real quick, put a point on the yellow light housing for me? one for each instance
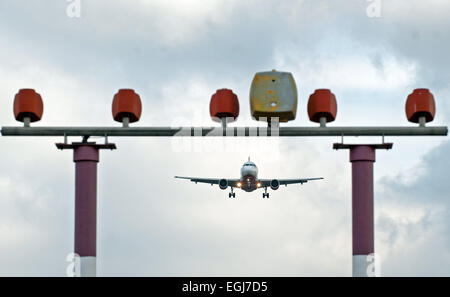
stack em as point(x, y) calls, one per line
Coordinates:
point(238, 185)
point(259, 185)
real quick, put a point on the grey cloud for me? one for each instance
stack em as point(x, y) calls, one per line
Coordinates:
point(431, 186)
point(423, 205)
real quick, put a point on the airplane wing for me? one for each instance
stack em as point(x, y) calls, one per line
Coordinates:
point(211, 181)
point(266, 182)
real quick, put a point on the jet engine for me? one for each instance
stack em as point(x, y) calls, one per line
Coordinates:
point(223, 184)
point(274, 184)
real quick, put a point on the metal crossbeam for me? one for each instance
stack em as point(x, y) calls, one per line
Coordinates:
point(229, 131)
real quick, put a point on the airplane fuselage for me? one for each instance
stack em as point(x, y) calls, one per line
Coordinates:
point(249, 177)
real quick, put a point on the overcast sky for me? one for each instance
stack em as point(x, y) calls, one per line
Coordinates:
point(175, 54)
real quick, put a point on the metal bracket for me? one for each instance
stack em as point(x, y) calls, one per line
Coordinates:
point(340, 146)
point(65, 146)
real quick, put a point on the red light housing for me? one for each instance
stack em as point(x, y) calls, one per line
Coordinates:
point(126, 103)
point(224, 104)
point(322, 103)
point(28, 104)
point(420, 103)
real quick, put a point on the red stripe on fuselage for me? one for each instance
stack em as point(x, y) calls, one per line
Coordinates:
point(248, 183)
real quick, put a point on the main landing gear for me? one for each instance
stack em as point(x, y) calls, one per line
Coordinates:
point(232, 194)
point(265, 194)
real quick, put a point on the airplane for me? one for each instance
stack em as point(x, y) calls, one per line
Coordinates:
point(249, 181)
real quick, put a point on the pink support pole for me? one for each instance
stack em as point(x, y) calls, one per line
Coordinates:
point(86, 158)
point(362, 158)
